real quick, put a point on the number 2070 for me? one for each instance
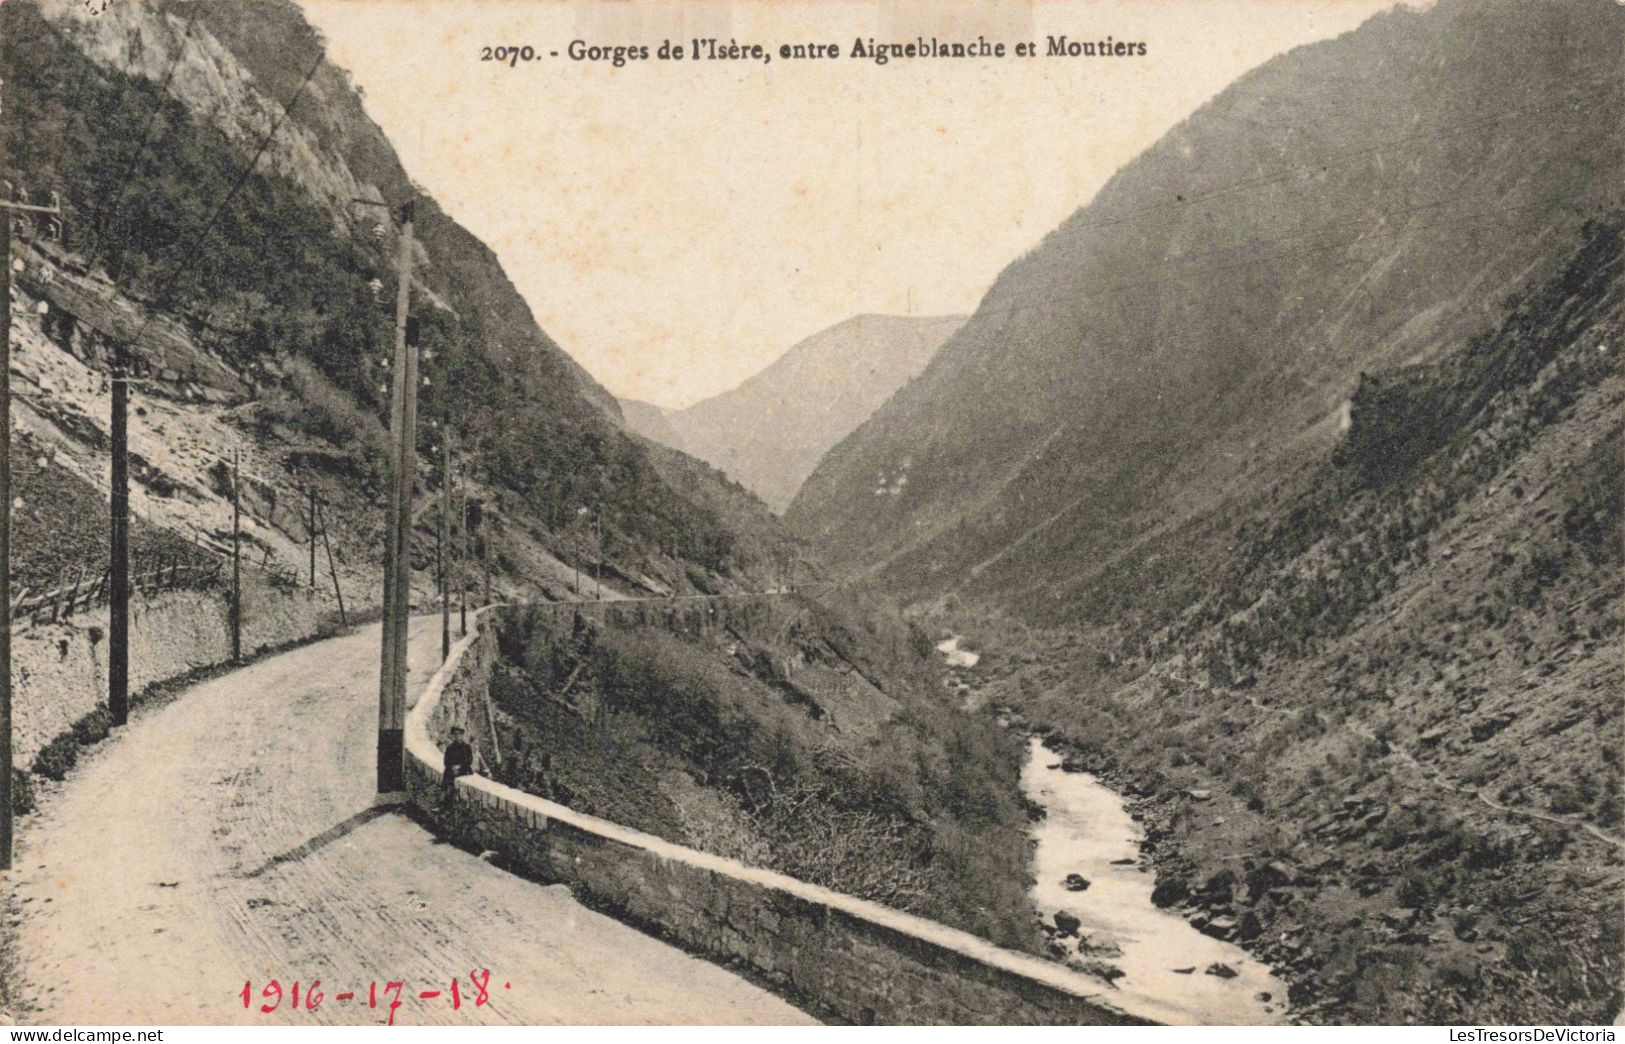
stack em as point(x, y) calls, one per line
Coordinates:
point(512, 55)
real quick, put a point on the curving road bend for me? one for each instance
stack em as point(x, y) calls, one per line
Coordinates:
point(230, 837)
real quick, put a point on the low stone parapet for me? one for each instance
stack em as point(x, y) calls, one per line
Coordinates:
point(841, 957)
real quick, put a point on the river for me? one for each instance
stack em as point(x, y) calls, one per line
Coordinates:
point(1088, 832)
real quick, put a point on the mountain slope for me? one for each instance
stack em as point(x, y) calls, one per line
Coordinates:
point(208, 158)
point(650, 421)
point(1399, 696)
point(769, 432)
point(1194, 332)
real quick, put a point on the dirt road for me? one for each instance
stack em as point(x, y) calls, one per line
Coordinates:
point(230, 838)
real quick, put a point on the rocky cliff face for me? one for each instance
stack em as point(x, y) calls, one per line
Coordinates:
point(241, 69)
point(208, 157)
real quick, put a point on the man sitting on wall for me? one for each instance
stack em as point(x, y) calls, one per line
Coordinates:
point(459, 762)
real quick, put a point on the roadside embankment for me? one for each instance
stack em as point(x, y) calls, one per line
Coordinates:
point(845, 958)
point(60, 670)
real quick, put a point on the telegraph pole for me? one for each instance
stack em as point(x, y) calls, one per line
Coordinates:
point(332, 568)
point(403, 558)
point(474, 524)
point(5, 540)
point(236, 557)
point(462, 563)
point(460, 555)
point(118, 578)
point(313, 536)
point(397, 546)
point(444, 542)
point(481, 535)
point(52, 217)
point(578, 555)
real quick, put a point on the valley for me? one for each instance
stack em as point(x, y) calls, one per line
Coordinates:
point(770, 432)
point(1219, 624)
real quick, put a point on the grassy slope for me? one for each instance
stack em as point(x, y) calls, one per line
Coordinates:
point(822, 746)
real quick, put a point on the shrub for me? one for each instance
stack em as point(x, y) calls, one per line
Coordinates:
point(57, 758)
point(93, 727)
point(1413, 891)
point(22, 793)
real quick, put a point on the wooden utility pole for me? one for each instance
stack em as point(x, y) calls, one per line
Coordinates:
point(118, 575)
point(236, 557)
point(480, 533)
point(53, 229)
point(5, 540)
point(397, 539)
point(332, 569)
point(578, 554)
point(440, 574)
point(443, 544)
point(313, 536)
point(462, 560)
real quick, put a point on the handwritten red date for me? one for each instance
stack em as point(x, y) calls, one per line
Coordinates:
point(387, 995)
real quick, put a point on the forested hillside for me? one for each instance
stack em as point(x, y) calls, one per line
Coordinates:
point(208, 165)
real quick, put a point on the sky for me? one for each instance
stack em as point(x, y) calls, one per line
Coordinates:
point(676, 226)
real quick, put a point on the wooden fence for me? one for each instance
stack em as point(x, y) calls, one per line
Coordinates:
point(87, 592)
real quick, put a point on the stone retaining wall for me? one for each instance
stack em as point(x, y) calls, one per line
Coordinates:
point(842, 957)
point(59, 671)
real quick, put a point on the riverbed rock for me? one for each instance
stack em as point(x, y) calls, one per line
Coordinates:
point(1185, 971)
point(1222, 971)
point(1170, 891)
point(1100, 970)
point(1220, 885)
point(1090, 946)
point(1066, 924)
point(1075, 883)
point(1200, 795)
point(1277, 872)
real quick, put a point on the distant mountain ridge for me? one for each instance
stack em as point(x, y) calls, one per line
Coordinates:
point(650, 421)
point(1348, 205)
point(770, 432)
